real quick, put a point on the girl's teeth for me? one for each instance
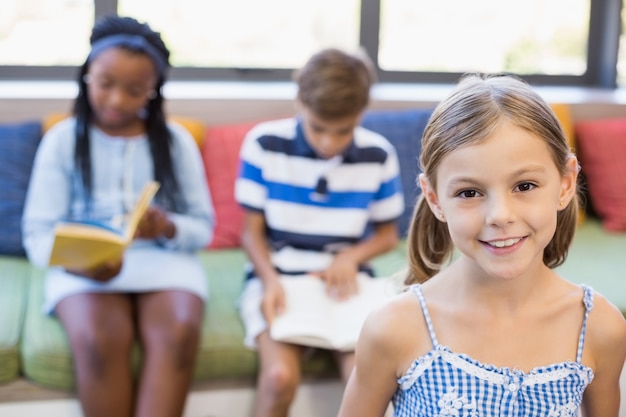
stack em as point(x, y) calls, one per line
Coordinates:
point(504, 243)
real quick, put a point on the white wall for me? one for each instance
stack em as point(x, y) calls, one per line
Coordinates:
point(220, 102)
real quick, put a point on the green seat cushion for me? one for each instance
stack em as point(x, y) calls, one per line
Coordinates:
point(393, 263)
point(45, 350)
point(222, 352)
point(13, 288)
point(597, 258)
point(47, 358)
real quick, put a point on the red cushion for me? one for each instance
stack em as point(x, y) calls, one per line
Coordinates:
point(602, 152)
point(220, 154)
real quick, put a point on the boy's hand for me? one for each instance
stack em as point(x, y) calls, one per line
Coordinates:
point(273, 302)
point(103, 273)
point(154, 224)
point(340, 277)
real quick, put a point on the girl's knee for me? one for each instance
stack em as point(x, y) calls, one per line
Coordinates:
point(177, 341)
point(98, 349)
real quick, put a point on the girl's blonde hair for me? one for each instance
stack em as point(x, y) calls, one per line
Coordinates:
point(469, 115)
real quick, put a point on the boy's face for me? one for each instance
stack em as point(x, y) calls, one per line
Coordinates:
point(328, 138)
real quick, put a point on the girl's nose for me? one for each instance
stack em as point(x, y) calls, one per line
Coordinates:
point(500, 211)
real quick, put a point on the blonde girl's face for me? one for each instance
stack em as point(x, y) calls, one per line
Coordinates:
point(500, 199)
point(119, 86)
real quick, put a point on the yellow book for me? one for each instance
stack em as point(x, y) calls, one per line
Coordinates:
point(312, 318)
point(85, 245)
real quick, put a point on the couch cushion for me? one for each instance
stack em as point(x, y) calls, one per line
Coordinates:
point(596, 258)
point(193, 126)
point(13, 289)
point(563, 112)
point(47, 358)
point(602, 151)
point(18, 145)
point(220, 154)
point(404, 129)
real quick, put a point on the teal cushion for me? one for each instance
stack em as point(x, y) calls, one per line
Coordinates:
point(13, 288)
point(18, 145)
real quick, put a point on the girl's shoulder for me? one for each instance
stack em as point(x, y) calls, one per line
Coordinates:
point(60, 137)
point(63, 128)
point(607, 325)
point(179, 132)
point(398, 326)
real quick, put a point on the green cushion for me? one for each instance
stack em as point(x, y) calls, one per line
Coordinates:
point(596, 258)
point(13, 288)
point(45, 350)
point(392, 263)
point(222, 355)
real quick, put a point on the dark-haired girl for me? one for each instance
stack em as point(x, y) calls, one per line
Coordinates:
point(92, 166)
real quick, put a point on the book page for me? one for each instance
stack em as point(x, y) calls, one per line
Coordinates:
point(313, 318)
point(142, 204)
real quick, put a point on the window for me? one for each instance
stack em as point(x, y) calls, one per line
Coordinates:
point(520, 36)
point(45, 32)
point(558, 42)
point(249, 33)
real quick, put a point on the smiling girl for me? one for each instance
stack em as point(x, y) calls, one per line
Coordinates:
point(486, 326)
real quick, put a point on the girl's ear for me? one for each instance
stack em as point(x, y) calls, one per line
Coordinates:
point(569, 182)
point(431, 197)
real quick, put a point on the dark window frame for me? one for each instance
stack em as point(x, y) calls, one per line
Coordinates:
point(602, 56)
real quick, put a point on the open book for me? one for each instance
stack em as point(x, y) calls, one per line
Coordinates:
point(84, 245)
point(312, 318)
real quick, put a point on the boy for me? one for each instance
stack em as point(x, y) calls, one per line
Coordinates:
point(310, 186)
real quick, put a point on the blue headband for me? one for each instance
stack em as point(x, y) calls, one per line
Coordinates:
point(134, 42)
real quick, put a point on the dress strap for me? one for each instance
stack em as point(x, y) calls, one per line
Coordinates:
point(417, 289)
point(588, 301)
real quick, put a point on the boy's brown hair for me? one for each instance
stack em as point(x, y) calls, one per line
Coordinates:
point(334, 84)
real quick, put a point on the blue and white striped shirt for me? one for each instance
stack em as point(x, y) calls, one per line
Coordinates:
point(445, 384)
point(313, 207)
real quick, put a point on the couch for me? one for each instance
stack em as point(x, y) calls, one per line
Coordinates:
point(34, 348)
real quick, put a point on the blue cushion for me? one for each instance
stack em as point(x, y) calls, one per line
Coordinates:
point(404, 129)
point(18, 144)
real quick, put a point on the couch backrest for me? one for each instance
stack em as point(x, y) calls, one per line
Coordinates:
point(404, 129)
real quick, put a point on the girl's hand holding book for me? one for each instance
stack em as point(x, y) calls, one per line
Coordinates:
point(103, 272)
point(155, 224)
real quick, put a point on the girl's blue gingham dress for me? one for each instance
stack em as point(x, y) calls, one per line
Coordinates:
point(447, 384)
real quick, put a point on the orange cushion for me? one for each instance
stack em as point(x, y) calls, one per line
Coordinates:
point(195, 127)
point(52, 119)
point(563, 113)
point(602, 150)
point(220, 153)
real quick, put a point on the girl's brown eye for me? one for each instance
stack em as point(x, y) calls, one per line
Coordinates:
point(468, 193)
point(526, 186)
